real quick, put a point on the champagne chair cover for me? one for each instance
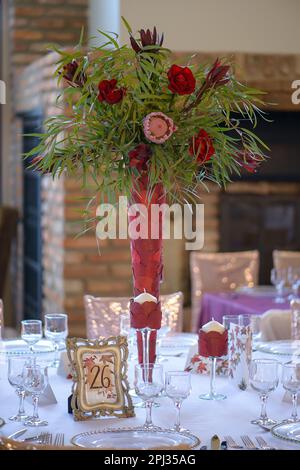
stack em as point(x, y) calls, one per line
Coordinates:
point(220, 272)
point(102, 313)
point(285, 259)
point(275, 325)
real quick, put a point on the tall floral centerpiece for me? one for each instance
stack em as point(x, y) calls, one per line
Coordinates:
point(154, 130)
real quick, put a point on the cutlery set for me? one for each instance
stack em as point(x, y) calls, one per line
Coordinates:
point(45, 438)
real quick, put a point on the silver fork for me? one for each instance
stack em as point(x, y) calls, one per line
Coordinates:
point(59, 440)
point(249, 443)
point(263, 444)
point(231, 443)
point(47, 439)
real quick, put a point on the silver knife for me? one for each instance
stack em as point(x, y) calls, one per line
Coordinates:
point(17, 433)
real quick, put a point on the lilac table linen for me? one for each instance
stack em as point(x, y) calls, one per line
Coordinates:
point(216, 305)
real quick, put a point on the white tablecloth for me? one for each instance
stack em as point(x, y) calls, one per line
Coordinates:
point(203, 418)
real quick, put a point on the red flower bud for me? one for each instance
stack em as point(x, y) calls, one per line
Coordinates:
point(71, 76)
point(139, 157)
point(249, 161)
point(218, 75)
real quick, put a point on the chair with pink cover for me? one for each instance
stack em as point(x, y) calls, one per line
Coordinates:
point(103, 313)
point(283, 259)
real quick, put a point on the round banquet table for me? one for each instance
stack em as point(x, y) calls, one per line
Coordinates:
point(203, 418)
point(217, 304)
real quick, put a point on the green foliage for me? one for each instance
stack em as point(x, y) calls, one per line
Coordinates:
point(95, 137)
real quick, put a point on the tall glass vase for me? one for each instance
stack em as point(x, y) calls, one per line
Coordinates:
point(147, 266)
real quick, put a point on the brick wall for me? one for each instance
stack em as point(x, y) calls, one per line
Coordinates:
point(37, 23)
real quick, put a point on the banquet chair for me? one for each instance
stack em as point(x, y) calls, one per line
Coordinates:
point(283, 259)
point(276, 325)
point(102, 313)
point(220, 272)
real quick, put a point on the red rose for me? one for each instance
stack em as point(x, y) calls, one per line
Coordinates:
point(181, 80)
point(201, 146)
point(109, 92)
point(139, 157)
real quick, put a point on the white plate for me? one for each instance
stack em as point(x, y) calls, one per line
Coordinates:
point(18, 347)
point(179, 340)
point(134, 438)
point(281, 347)
point(287, 431)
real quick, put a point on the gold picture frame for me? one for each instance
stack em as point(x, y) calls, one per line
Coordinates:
point(99, 371)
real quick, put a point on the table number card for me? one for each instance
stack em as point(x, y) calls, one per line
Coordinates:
point(99, 371)
point(239, 354)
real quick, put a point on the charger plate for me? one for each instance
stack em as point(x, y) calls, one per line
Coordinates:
point(18, 347)
point(135, 438)
point(284, 347)
point(287, 431)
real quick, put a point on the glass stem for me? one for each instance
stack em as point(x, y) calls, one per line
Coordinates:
point(56, 353)
point(148, 422)
point(294, 412)
point(178, 408)
point(21, 394)
point(213, 375)
point(263, 413)
point(35, 399)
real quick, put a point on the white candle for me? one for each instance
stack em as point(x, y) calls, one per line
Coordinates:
point(145, 297)
point(213, 325)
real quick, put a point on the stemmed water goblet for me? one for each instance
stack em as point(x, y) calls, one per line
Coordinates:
point(178, 388)
point(56, 330)
point(294, 281)
point(291, 383)
point(264, 379)
point(278, 279)
point(31, 332)
point(15, 378)
point(149, 383)
point(35, 381)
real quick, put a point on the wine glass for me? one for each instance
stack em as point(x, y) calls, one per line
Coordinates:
point(31, 332)
point(264, 379)
point(291, 382)
point(148, 382)
point(255, 325)
point(15, 378)
point(294, 281)
point(212, 394)
point(56, 330)
point(278, 279)
point(228, 319)
point(178, 388)
point(35, 380)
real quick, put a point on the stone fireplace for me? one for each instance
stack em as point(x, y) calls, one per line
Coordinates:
point(73, 266)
